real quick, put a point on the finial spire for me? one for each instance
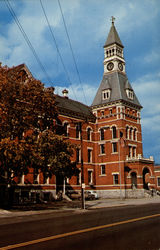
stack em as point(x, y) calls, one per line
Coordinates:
point(113, 19)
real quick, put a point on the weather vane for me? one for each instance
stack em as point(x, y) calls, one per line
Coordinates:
point(112, 19)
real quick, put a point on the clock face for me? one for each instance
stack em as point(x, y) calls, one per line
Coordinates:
point(120, 66)
point(110, 66)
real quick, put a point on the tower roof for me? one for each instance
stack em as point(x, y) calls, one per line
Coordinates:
point(118, 83)
point(113, 36)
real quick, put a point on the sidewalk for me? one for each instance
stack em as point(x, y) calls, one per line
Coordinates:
point(89, 205)
point(104, 203)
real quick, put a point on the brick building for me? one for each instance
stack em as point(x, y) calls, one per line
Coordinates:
point(110, 152)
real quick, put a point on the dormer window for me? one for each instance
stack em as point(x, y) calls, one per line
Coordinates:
point(130, 94)
point(106, 94)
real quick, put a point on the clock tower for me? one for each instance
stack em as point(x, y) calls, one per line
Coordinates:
point(113, 52)
point(118, 129)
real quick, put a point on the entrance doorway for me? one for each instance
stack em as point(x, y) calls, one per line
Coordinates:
point(134, 180)
point(145, 179)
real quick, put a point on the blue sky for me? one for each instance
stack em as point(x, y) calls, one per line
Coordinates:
point(88, 23)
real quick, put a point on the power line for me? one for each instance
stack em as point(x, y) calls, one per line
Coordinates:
point(52, 34)
point(69, 40)
point(26, 38)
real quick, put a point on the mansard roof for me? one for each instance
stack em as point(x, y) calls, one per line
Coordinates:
point(118, 83)
point(74, 109)
point(113, 37)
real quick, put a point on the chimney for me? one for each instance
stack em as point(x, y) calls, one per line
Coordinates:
point(65, 93)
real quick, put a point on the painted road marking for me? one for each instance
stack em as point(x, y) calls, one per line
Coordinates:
point(54, 237)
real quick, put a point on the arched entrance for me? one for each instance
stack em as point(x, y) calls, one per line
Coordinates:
point(134, 180)
point(145, 178)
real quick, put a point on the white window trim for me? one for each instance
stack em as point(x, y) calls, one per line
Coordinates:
point(114, 174)
point(90, 133)
point(91, 154)
point(130, 94)
point(114, 152)
point(68, 126)
point(90, 170)
point(101, 170)
point(106, 94)
point(101, 149)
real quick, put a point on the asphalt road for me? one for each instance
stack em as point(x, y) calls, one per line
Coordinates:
point(107, 228)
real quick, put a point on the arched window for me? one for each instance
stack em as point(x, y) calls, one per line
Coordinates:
point(101, 134)
point(131, 133)
point(89, 134)
point(135, 134)
point(65, 125)
point(114, 132)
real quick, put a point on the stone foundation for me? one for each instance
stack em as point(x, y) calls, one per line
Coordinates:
point(130, 193)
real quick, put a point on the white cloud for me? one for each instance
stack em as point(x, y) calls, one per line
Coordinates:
point(76, 92)
point(152, 57)
point(147, 89)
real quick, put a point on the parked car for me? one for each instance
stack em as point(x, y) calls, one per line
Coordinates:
point(93, 194)
point(88, 196)
point(74, 195)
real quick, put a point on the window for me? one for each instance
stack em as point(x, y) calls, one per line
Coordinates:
point(127, 132)
point(114, 147)
point(102, 113)
point(130, 94)
point(102, 149)
point(103, 169)
point(131, 133)
point(78, 155)
point(135, 134)
point(66, 128)
point(78, 132)
point(134, 151)
point(158, 181)
point(114, 132)
point(130, 151)
point(89, 155)
point(106, 94)
point(110, 111)
point(90, 176)
point(88, 134)
point(115, 179)
point(101, 134)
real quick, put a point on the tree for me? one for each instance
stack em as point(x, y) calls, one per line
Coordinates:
point(52, 155)
point(24, 104)
point(27, 115)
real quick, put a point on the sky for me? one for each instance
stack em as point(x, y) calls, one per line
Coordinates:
point(88, 23)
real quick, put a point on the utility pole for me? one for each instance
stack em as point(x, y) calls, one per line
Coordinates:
point(82, 169)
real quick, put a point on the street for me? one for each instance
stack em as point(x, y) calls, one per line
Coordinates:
point(127, 227)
